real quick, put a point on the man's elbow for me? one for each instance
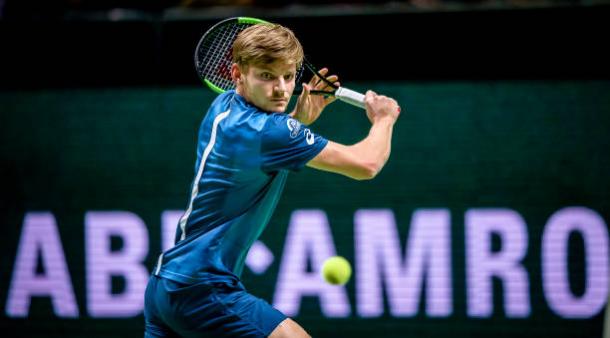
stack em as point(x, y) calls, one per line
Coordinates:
point(369, 171)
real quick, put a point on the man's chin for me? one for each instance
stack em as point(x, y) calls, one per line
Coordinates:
point(278, 107)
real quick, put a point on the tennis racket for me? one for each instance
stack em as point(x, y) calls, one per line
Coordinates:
point(213, 60)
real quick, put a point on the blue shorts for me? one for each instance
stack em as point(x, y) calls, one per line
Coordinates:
point(174, 309)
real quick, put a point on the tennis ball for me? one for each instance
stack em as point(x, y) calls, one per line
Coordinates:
point(336, 270)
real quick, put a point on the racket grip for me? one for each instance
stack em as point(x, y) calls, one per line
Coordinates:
point(350, 96)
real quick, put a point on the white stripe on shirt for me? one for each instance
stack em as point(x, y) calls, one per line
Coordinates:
point(204, 157)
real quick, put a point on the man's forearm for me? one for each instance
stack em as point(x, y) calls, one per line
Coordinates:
point(376, 147)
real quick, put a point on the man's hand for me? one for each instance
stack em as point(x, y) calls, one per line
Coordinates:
point(309, 107)
point(380, 107)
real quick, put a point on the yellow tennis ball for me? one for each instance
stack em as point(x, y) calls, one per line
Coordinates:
point(336, 270)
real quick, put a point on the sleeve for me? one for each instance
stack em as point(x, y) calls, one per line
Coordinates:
point(287, 144)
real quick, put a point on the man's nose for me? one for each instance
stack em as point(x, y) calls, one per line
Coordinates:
point(280, 85)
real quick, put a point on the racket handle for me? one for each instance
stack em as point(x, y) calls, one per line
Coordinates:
point(350, 96)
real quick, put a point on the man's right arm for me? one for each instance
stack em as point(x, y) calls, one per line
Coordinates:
point(365, 159)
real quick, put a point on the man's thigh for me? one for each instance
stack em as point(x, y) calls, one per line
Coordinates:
point(213, 310)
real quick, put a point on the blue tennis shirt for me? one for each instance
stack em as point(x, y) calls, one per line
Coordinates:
point(243, 158)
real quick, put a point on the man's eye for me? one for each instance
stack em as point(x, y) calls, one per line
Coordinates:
point(267, 76)
point(289, 77)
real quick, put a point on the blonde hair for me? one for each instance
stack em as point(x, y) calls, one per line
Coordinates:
point(262, 44)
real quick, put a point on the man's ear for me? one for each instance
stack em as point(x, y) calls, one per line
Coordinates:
point(236, 73)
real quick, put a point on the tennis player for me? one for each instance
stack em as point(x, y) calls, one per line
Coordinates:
point(247, 145)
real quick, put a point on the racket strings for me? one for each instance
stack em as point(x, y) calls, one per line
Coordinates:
point(216, 59)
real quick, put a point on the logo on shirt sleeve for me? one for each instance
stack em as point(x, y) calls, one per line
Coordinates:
point(308, 136)
point(294, 126)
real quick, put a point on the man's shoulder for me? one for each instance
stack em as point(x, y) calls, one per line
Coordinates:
point(280, 120)
point(282, 129)
point(222, 101)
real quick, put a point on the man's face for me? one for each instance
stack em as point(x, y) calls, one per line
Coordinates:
point(269, 87)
